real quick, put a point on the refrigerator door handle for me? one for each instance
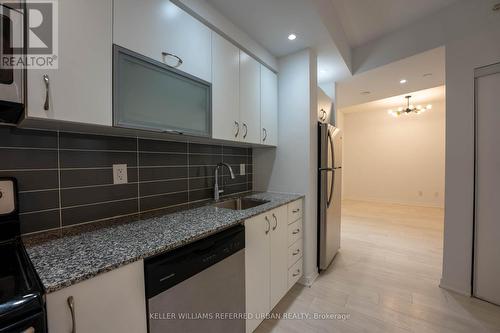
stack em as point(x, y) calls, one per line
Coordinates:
point(330, 197)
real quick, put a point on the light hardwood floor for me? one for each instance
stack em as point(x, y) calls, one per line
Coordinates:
point(386, 279)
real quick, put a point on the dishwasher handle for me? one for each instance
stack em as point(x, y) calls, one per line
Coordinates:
point(166, 270)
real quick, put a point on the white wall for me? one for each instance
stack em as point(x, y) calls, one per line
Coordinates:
point(396, 160)
point(479, 47)
point(325, 103)
point(292, 167)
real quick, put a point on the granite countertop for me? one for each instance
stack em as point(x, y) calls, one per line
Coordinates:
point(71, 258)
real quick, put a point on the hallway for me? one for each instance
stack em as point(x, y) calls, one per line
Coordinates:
point(385, 279)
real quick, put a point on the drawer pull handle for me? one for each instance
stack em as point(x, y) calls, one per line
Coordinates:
point(296, 210)
point(71, 305)
point(275, 222)
point(295, 231)
point(265, 134)
point(296, 273)
point(268, 225)
point(296, 252)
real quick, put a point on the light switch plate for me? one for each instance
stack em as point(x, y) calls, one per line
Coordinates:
point(242, 170)
point(120, 175)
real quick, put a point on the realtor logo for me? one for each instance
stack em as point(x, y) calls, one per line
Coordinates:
point(29, 32)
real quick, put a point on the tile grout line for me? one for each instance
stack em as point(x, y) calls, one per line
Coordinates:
point(59, 178)
point(138, 178)
point(188, 181)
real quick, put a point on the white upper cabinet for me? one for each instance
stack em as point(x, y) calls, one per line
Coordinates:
point(269, 107)
point(249, 99)
point(225, 89)
point(162, 31)
point(80, 89)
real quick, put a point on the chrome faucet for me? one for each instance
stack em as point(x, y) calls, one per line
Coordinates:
point(217, 192)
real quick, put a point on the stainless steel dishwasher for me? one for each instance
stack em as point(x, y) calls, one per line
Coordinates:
point(199, 287)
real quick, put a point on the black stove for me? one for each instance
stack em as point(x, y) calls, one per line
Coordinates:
point(22, 308)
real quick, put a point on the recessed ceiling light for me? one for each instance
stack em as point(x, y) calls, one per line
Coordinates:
point(292, 36)
point(365, 93)
point(403, 81)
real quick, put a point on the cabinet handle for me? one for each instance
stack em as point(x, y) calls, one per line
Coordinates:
point(237, 129)
point(296, 231)
point(47, 89)
point(246, 130)
point(268, 225)
point(166, 54)
point(296, 252)
point(71, 305)
point(296, 210)
point(265, 134)
point(275, 222)
point(296, 273)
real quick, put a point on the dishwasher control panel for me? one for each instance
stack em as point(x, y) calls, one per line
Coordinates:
point(164, 271)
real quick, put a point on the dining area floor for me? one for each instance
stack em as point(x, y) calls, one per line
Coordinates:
point(384, 279)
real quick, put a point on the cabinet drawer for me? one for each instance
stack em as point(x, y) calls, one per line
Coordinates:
point(294, 252)
point(294, 232)
point(294, 273)
point(295, 211)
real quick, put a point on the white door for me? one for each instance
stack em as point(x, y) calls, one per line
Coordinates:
point(257, 264)
point(279, 255)
point(225, 89)
point(80, 89)
point(112, 302)
point(249, 98)
point(487, 223)
point(162, 31)
point(269, 107)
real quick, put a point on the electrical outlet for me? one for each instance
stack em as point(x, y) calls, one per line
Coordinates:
point(120, 174)
point(242, 170)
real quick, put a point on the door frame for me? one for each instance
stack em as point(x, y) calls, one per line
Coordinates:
point(478, 73)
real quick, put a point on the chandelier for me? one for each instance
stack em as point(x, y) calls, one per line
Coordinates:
point(409, 109)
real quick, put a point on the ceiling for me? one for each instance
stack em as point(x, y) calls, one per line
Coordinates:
point(384, 81)
point(366, 20)
point(269, 22)
point(423, 97)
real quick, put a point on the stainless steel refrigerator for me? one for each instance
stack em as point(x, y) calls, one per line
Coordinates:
point(330, 192)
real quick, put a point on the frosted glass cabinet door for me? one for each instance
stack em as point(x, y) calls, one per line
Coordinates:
point(149, 95)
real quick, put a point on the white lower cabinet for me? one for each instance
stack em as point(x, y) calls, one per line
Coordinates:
point(267, 269)
point(112, 302)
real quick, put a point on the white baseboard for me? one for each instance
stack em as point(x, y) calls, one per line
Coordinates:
point(444, 285)
point(309, 279)
point(394, 202)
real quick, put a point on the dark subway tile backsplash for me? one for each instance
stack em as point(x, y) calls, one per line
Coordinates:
point(67, 179)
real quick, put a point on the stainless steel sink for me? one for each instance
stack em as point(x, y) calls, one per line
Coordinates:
point(240, 203)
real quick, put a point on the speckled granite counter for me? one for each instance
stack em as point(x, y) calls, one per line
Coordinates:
point(71, 258)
